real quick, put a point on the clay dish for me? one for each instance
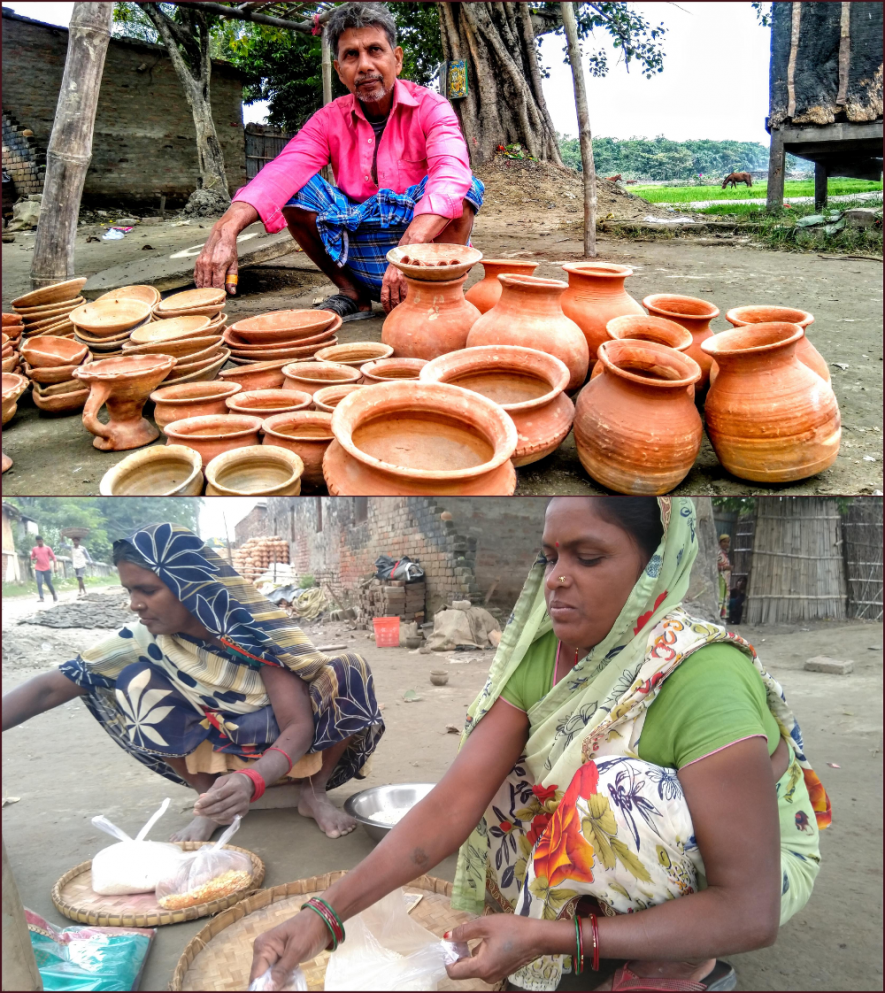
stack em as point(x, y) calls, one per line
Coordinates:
point(386, 370)
point(308, 433)
point(206, 296)
point(162, 470)
point(114, 340)
point(175, 403)
point(185, 366)
point(13, 385)
point(257, 470)
point(51, 294)
point(110, 317)
point(204, 354)
point(144, 294)
point(320, 340)
point(179, 348)
point(34, 314)
point(355, 353)
point(328, 398)
point(9, 364)
point(257, 375)
point(266, 403)
point(213, 434)
point(55, 374)
point(68, 386)
point(283, 325)
point(58, 329)
point(292, 353)
point(170, 329)
point(308, 377)
point(48, 352)
point(63, 403)
point(203, 374)
point(47, 322)
point(430, 255)
point(11, 320)
point(211, 312)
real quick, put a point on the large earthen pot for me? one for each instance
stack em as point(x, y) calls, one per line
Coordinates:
point(487, 292)
point(162, 470)
point(308, 433)
point(414, 439)
point(527, 383)
point(595, 296)
point(805, 351)
point(392, 369)
point(645, 328)
point(432, 320)
point(693, 314)
point(255, 471)
point(769, 417)
point(124, 385)
point(175, 403)
point(529, 314)
point(637, 430)
point(309, 377)
point(214, 433)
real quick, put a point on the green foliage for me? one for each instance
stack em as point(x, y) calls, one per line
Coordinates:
point(792, 188)
point(307, 582)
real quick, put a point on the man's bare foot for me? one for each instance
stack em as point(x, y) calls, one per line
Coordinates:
point(199, 829)
point(332, 821)
point(691, 971)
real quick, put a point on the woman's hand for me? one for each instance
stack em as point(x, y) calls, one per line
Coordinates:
point(287, 945)
point(508, 943)
point(229, 796)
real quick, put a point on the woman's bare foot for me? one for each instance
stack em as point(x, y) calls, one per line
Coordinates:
point(199, 829)
point(332, 821)
point(693, 971)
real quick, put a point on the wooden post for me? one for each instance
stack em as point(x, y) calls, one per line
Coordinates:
point(70, 144)
point(820, 185)
point(19, 965)
point(574, 54)
point(776, 163)
point(328, 175)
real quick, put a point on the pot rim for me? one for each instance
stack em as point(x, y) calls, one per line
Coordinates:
point(221, 395)
point(367, 370)
point(536, 284)
point(153, 363)
point(718, 345)
point(19, 387)
point(353, 344)
point(599, 270)
point(519, 262)
point(732, 315)
point(683, 332)
point(186, 454)
point(650, 303)
point(319, 417)
point(231, 375)
point(240, 424)
point(556, 370)
point(291, 401)
point(352, 375)
point(608, 354)
point(292, 461)
point(446, 397)
point(348, 389)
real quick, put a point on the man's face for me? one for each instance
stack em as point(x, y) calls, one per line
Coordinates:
point(76, 542)
point(39, 542)
point(367, 65)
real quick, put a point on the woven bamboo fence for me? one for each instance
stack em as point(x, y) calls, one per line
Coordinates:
point(741, 551)
point(862, 530)
point(797, 568)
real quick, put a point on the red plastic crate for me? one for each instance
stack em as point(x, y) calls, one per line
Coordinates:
point(386, 632)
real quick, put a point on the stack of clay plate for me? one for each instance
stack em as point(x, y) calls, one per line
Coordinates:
point(12, 340)
point(199, 353)
point(204, 302)
point(104, 325)
point(141, 292)
point(282, 334)
point(45, 311)
point(49, 363)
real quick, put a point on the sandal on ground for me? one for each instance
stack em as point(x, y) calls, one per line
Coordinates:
point(345, 307)
point(722, 977)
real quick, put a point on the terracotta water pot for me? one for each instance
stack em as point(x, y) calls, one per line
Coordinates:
point(432, 320)
point(637, 430)
point(266, 403)
point(255, 471)
point(260, 376)
point(487, 292)
point(420, 438)
point(213, 434)
point(387, 370)
point(641, 327)
point(328, 398)
point(174, 403)
point(308, 433)
point(805, 351)
point(529, 314)
point(123, 384)
point(162, 470)
point(693, 314)
point(527, 383)
point(308, 377)
point(595, 296)
point(355, 353)
point(769, 417)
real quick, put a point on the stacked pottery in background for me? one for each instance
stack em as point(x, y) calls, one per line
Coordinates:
point(256, 555)
point(49, 363)
point(104, 326)
point(282, 335)
point(13, 387)
point(12, 341)
point(198, 352)
point(46, 311)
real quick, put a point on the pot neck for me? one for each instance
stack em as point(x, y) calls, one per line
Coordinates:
point(535, 298)
point(778, 353)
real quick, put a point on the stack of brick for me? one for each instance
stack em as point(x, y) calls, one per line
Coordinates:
point(392, 598)
point(22, 160)
point(257, 555)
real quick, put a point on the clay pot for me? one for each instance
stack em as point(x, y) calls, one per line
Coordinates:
point(636, 428)
point(529, 314)
point(693, 314)
point(433, 319)
point(805, 351)
point(355, 353)
point(255, 471)
point(266, 403)
point(49, 352)
point(769, 417)
point(527, 383)
point(163, 470)
point(328, 398)
point(487, 292)
point(67, 402)
point(387, 370)
point(123, 384)
point(213, 434)
point(13, 387)
point(175, 403)
point(258, 376)
point(420, 438)
point(308, 433)
point(439, 677)
point(645, 328)
point(308, 377)
point(283, 326)
point(595, 296)
point(434, 261)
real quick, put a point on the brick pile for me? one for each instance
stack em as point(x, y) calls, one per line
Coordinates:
point(393, 598)
point(22, 159)
point(258, 554)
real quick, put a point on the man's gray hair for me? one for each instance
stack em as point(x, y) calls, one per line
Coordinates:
point(359, 15)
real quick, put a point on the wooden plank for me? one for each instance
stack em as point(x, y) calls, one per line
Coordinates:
point(842, 131)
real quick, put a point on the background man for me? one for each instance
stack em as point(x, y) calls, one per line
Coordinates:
point(79, 558)
point(45, 562)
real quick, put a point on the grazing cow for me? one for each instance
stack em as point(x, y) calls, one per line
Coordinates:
point(630, 182)
point(737, 177)
point(613, 179)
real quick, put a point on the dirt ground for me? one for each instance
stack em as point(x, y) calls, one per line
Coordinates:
point(834, 944)
point(527, 215)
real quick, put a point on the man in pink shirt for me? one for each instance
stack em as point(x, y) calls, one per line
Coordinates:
point(400, 161)
point(44, 561)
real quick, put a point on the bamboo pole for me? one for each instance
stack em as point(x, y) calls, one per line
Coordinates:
point(570, 26)
point(70, 144)
point(327, 91)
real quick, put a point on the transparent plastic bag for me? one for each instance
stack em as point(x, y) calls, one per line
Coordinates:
point(296, 982)
point(386, 950)
point(133, 866)
point(208, 874)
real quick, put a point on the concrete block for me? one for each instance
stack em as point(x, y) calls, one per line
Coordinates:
point(821, 663)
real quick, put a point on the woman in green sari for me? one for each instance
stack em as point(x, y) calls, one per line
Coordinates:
point(631, 785)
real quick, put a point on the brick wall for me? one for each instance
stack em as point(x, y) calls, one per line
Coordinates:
point(465, 546)
point(144, 141)
point(253, 525)
point(22, 160)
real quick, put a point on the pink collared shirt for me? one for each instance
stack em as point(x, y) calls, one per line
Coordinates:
point(422, 138)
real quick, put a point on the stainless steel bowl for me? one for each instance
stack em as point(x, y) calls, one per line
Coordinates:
point(397, 795)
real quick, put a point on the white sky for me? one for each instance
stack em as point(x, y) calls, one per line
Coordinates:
point(218, 510)
point(714, 84)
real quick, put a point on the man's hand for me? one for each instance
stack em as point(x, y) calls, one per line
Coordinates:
point(219, 254)
point(393, 289)
point(229, 796)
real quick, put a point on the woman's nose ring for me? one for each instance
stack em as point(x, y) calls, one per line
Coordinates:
point(562, 579)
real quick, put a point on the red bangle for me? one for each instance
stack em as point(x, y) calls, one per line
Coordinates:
point(594, 924)
point(273, 748)
point(257, 780)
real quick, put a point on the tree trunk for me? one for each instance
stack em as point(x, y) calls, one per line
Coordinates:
point(505, 102)
point(702, 599)
point(70, 144)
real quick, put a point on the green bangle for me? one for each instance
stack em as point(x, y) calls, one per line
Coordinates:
point(319, 914)
point(579, 964)
point(332, 912)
